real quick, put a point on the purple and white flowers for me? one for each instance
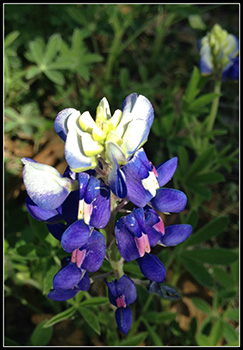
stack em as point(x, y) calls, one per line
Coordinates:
point(107, 168)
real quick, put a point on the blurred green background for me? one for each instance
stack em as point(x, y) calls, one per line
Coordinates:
point(58, 56)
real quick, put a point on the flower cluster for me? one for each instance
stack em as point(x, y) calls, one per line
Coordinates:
point(219, 54)
point(107, 168)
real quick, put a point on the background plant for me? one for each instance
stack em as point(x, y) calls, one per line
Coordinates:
point(58, 56)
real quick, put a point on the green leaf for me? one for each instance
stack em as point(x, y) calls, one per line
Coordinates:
point(52, 48)
point(60, 317)
point(192, 90)
point(198, 271)
point(90, 318)
point(216, 332)
point(160, 317)
point(200, 190)
point(32, 72)
point(153, 334)
point(39, 228)
point(183, 159)
point(229, 333)
point(192, 218)
point(203, 100)
point(218, 256)
point(201, 305)
point(208, 178)
point(232, 314)
point(36, 51)
point(203, 340)
point(134, 341)
point(95, 301)
point(223, 277)
point(212, 229)
point(41, 336)
point(201, 162)
point(10, 38)
point(55, 77)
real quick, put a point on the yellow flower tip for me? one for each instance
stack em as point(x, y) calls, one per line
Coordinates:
point(116, 117)
point(103, 111)
point(97, 134)
point(86, 122)
point(114, 137)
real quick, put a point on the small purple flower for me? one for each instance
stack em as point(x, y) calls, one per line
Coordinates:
point(135, 234)
point(122, 293)
point(85, 258)
point(144, 183)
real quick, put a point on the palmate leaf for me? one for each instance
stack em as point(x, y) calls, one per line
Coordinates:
point(60, 317)
point(41, 336)
point(52, 48)
point(198, 271)
point(90, 317)
point(217, 256)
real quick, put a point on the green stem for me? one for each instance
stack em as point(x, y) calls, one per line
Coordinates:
point(213, 112)
point(214, 108)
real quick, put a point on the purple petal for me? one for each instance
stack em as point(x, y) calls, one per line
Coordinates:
point(125, 241)
point(152, 268)
point(231, 71)
point(40, 214)
point(112, 292)
point(84, 284)
point(69, 208)
point(60, 123)
point(44, 184)
point(125, 286)
point(166, 171)
point(83, 180)
point(68, 277)
point(169, 200)
point(101, 208)
point(154, 226)
point(57, 229)
point(124, 319)
point(117, 181)
point(175, 234)
point(62, 295)
point(75, 236)
point(95, 252)
point(136, 170)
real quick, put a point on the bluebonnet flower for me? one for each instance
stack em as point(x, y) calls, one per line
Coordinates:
point(137, 232)
point(163, 291)
point(218, 50)
point(106, 163)
point(144, 184)
point(88, 252)
point(122, 293)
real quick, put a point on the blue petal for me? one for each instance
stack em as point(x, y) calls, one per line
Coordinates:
point(166, 171)
point(75, 236)
point(101, 210)
point(125, 286)
point(135, 171)
point(84, 283)
point(124, 319)
point(83, 180)
point(95, 252)
point(57, 229)
point(169, 200)
point(116, 180)
point(69, 208)
point(232, 69)
point(112, 292)
point(60, 123)
point(125, 241)
point(92, 189)
point(68, 277)
point(152, 268)
point(62, 295)
point(40, 214)
point(163, 291)
point(131, 223)
point(175, 234)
